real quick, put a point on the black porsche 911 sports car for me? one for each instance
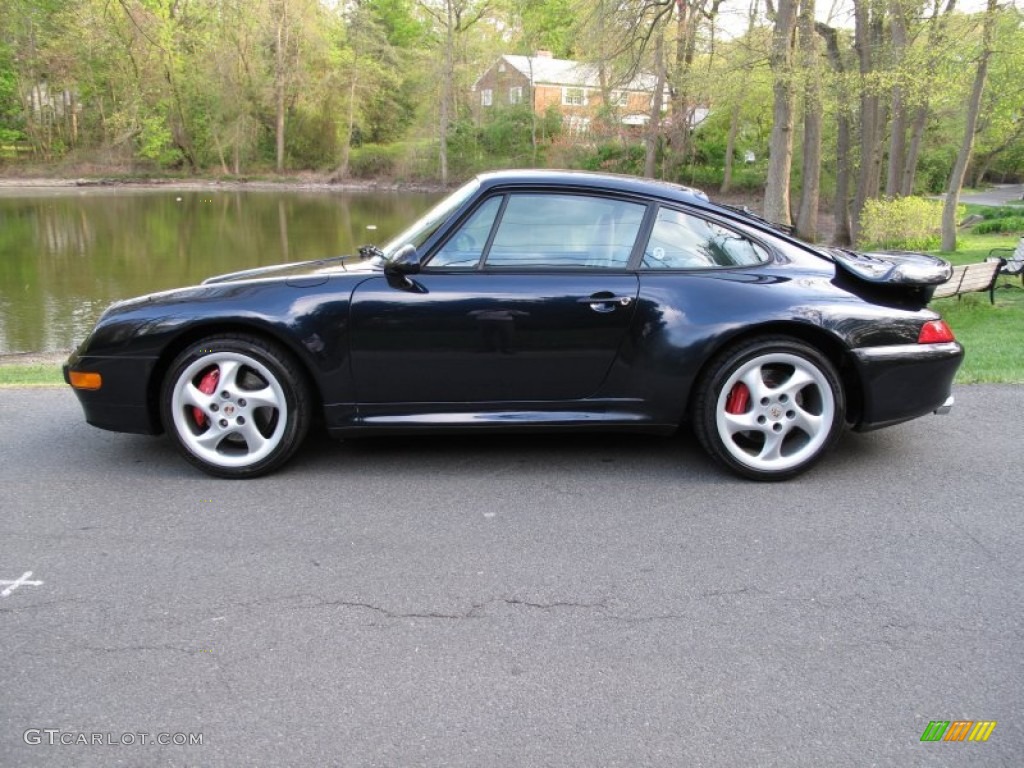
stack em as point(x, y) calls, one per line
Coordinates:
point(536, 300)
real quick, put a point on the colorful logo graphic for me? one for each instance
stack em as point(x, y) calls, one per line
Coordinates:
point(958, 730)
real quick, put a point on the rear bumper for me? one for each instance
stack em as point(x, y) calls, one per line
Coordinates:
point(904, 381)
point(121, 404)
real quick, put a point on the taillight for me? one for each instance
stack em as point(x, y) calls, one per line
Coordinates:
point(935, 332)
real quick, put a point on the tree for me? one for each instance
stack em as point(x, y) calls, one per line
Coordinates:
point(780, 161)
point(807, 216)
point(956, 178)
point(452, 19)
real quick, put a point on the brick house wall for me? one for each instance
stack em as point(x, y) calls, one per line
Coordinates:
point(504, 84)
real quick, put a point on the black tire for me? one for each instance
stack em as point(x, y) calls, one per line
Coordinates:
point(254, 419)
point(794, 406)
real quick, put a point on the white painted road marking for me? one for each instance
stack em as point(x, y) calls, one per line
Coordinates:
point(13, 585)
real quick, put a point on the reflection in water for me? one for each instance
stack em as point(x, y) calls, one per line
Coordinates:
point(65, 257)
point(497, 329)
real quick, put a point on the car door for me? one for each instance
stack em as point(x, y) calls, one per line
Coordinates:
point(528, 299)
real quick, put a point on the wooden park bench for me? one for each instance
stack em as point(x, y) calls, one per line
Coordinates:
point(972, 277)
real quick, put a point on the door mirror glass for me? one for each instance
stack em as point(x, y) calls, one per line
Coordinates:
point(405, 261)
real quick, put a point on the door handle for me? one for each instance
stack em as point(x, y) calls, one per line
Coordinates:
point(606, 302)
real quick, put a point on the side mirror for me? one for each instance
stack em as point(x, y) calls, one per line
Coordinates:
point(406, 261)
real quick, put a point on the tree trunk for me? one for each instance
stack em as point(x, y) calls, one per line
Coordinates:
point(936, 38)
point(654, 123)
point(279, 84)
point(780, 162)
point(841, 204)
point(956, 178)
point(730, 148)
point(916, 137)
point(346, 148)
point(734, 118)
point(446, 90)
point(867, 34)
point(807, 216)
point(898, 137)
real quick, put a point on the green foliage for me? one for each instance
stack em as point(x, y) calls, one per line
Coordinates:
point(933, 170)
point(408, 161)
point(1000, 212)
point(155, 142)
point(312, 139)
point(613, 158)
point(11, 119)
point(906, 223)
point(550, 25)
point(372, 160)
point(1006, 224)
point(745, 178)
point(508, 131)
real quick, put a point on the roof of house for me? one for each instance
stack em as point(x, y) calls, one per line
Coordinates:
point(544, 70)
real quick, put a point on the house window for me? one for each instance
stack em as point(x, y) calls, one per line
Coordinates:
point(574, 97)
point(515, 94)
point(619, 98)
point(486, 97)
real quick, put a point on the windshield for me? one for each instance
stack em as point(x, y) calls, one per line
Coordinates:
point(419, 232)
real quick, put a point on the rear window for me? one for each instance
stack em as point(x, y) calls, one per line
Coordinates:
point(683, 241)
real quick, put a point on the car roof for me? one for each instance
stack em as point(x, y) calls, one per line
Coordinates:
point(604, 181)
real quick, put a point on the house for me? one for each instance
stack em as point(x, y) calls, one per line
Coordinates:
point(573, 87)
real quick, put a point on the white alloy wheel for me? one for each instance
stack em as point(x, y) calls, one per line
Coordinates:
point(235, 405)
point(770, 409)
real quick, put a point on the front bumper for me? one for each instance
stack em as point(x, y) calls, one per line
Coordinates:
point(122, 403)
point(902, 382)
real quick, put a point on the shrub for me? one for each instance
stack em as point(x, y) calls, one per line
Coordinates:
point(1005, 224)
point(371, 161)
point(1001, 212)
point(612, 158)
point(508, 131)
point(744, 178)
point(906, 223)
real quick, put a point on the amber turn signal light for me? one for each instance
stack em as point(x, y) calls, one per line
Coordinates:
point(84, 380)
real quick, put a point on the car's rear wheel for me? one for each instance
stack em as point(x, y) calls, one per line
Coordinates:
point(769, 408)
point(236, 405)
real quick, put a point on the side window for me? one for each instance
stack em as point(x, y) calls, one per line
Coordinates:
point(553, 231)
point(463, 249)
point(682, 241)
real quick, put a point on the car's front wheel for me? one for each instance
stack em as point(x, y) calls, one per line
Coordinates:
point(769, 408)
point(236, 405)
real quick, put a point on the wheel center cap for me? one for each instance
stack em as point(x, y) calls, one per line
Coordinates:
point(775, 413)
point(229, 409)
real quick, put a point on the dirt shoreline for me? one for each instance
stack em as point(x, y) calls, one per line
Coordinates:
point(9, 184)
point(52, 357)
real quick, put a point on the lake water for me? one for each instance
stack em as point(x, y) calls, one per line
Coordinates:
point(65, 254)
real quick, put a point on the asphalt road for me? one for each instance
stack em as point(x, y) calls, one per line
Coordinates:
point(998, 194)
point(599, 601)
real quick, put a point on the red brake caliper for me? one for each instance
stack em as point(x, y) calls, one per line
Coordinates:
point(738, 399)
point(207, 385)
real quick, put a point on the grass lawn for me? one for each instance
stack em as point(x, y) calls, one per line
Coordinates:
point(32, 375)
point(993, 335)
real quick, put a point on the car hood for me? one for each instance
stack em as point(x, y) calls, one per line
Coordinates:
point(333, 265)
point(892, 268)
